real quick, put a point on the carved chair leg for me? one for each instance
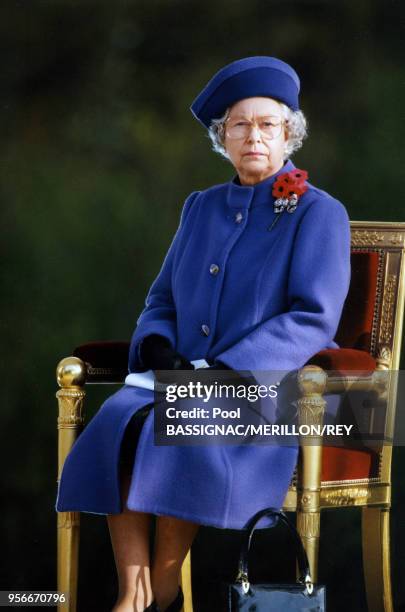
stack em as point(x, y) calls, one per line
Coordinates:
point(68, 557)
point(71, 378)
point(376, 558)
point(186, 583)
point(311, 407)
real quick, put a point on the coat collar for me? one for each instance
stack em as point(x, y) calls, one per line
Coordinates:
point(244, 196)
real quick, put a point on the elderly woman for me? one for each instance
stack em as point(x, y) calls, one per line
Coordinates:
point(255, 279)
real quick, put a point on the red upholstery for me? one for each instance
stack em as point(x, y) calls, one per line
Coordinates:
point(348, 464)
point(344, 359)
point(354, 336)
point(357, 317)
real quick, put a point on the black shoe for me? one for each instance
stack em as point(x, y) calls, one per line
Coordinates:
point(175, 606)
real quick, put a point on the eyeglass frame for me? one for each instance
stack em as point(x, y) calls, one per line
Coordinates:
point(254, 124)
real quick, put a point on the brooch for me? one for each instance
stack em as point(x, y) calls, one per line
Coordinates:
point(287, 189)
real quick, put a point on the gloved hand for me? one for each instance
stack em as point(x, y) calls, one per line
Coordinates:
point(157, 353)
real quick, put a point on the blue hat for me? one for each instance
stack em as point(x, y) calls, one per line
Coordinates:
point(246, 78)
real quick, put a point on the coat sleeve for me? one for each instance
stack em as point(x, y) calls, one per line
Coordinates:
point(318, 283)
point(159, 313)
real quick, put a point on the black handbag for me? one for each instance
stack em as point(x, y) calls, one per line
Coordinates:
point(301, 596)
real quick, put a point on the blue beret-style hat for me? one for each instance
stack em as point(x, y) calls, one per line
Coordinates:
point(246, 78)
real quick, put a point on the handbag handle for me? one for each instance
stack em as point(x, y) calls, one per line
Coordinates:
point(303, 564)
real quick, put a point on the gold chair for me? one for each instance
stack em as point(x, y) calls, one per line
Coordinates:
point(327, 477)
point(339, 477)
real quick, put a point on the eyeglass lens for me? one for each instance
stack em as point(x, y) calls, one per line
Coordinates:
point(269, 127)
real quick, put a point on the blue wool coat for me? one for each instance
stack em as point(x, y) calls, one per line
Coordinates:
point(274, 300)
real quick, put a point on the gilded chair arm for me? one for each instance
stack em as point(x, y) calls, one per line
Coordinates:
point(353, 369)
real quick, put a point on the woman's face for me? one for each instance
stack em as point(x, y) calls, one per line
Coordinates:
point(255, 156)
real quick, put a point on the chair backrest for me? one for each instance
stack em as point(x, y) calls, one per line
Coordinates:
point(372, 321)
point(360, 311)
point(372, 317)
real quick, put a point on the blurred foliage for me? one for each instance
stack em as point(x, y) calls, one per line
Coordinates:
point(99, 151)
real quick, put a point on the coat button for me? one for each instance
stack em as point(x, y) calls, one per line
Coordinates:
point(238, 217)
point(214, 269)
point(205, 330)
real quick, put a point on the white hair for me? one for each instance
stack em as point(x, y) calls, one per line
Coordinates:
point(296, 128)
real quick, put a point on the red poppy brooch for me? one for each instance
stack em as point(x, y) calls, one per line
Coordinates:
point(288, 188)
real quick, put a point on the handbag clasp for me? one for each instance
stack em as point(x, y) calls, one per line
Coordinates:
point(243, 578)
point(309, 584)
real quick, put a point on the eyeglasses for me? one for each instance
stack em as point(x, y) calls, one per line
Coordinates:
point(269, 127)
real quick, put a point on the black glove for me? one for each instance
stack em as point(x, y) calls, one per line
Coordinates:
point(156, 353)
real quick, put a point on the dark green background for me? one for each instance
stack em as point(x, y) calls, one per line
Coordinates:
point(99, 151)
